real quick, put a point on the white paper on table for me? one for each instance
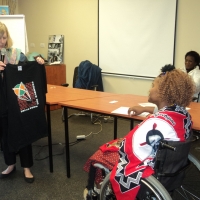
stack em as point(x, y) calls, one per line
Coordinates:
point(114, 101)
point(147, 104)
point(124, 111)
point(144, 114)
point(187, 108)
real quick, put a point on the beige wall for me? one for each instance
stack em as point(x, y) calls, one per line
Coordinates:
point(77, 21)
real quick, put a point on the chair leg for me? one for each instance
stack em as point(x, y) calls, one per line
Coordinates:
point(91, 116)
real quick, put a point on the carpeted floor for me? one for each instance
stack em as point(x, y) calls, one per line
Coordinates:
point(56, 185)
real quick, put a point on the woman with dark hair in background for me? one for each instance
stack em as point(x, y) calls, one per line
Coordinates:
point(192, 67)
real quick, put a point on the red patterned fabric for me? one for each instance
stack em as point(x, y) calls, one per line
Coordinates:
point(139, 148)
point(107, 155)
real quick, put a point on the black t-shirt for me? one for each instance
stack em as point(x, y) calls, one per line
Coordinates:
point(3, 104)
point(25, 90)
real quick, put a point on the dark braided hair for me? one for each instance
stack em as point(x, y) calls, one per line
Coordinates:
point(166, 68)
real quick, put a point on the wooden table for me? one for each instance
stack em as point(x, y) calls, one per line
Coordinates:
point(97, 102)
point(103, 105)
point(100, 105)
point(195, 113)
point(58, 94)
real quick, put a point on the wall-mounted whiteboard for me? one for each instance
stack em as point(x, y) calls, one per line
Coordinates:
point(136, 37)
point(17, 28)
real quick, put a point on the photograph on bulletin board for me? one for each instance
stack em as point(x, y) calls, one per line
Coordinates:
point(4, 10)
point(55, 49)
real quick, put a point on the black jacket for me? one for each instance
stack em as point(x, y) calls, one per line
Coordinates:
point(89, 75)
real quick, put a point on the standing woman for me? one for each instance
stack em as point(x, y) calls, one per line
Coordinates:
point(15, 57)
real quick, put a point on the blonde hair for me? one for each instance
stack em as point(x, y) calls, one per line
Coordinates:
point(4, 30)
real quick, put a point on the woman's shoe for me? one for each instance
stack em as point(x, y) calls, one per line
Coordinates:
point(7, 175)
point(28, 180)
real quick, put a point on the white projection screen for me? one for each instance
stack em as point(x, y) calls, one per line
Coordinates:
point(136, 37)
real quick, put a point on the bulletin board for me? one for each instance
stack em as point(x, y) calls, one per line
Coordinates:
point(17, 28)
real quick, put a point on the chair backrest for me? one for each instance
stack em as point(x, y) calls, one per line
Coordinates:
point(89, 76)
point(170, 165)
point(196, 99)
point(75, 77)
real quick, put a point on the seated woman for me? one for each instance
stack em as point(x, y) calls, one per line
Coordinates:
point(192, 61)
point(171, 91)
point(192, 67)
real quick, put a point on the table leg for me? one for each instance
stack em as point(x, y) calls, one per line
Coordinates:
point(131, 124)
point(115, 127)
point(67, 141)
point(49, 138)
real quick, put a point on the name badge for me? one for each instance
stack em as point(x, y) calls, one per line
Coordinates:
point(19, 68)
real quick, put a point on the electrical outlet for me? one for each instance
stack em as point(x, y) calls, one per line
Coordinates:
point(42, 45)
point(32, 44)
point(80, 137)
